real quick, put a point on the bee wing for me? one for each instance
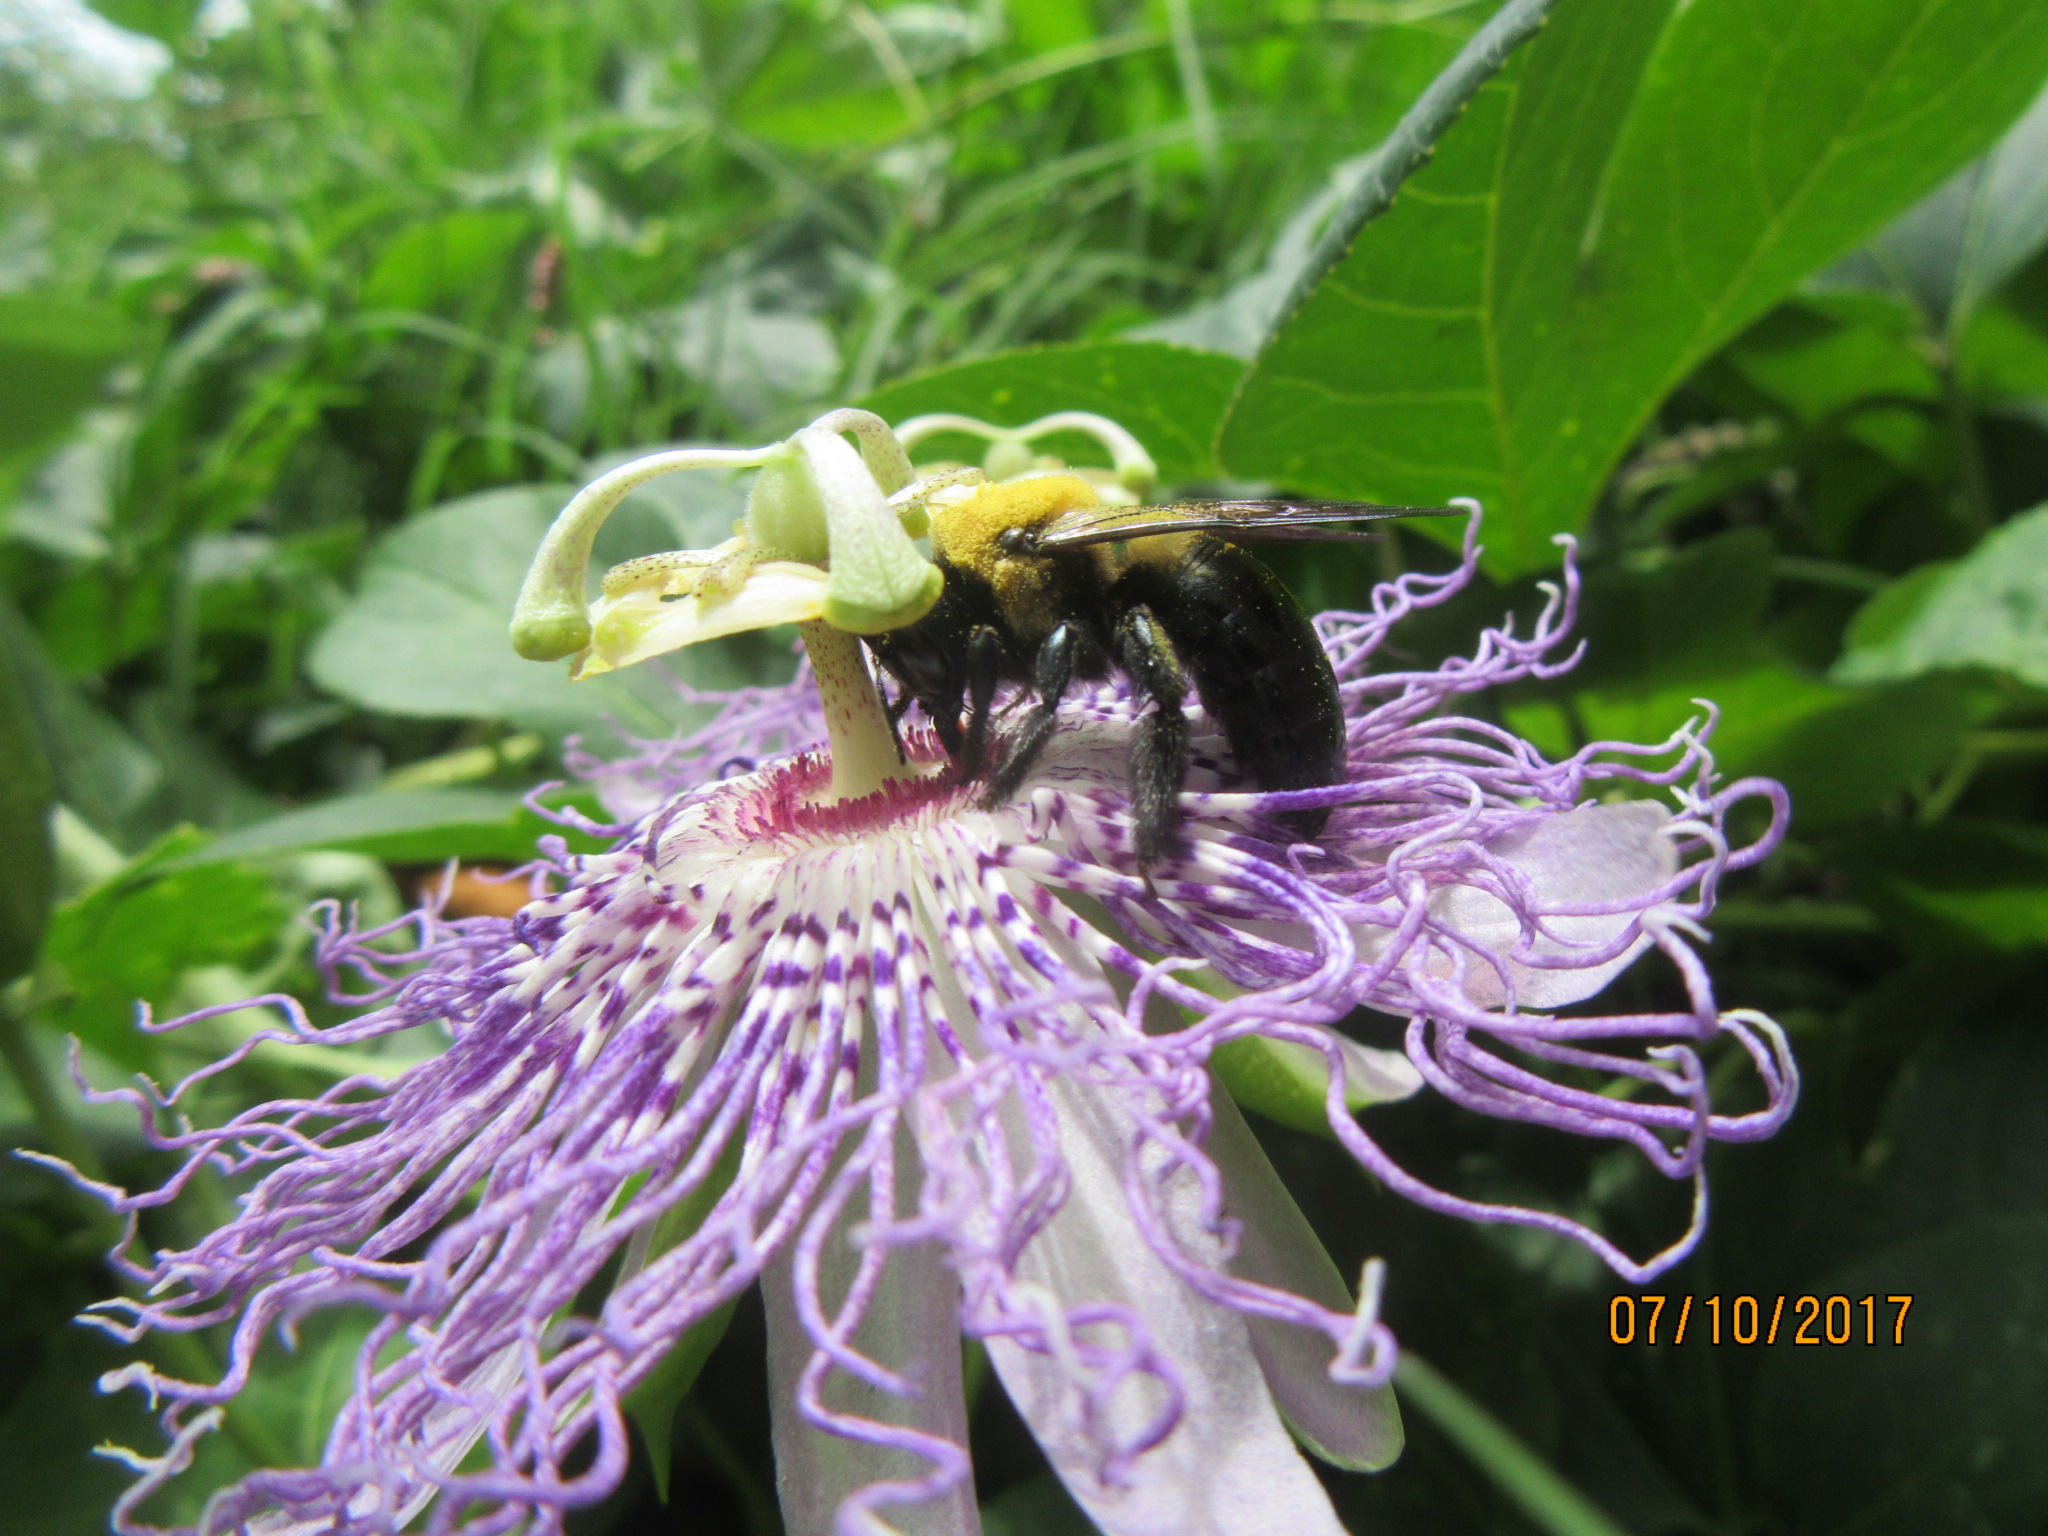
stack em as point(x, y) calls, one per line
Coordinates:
point(1241, 522)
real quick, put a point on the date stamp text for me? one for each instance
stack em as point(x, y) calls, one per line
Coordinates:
point(1758, 1319)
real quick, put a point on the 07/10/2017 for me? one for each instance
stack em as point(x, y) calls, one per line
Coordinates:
point(1814, 1319)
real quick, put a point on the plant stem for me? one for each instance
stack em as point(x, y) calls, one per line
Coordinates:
point(864, 751)
point(1971, 497)
point(1415, 136)
point(1535, 1487)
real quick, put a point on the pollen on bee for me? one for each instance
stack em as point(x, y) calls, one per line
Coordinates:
point(966, 535)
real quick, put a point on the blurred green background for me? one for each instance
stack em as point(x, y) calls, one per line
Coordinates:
point(310, 311)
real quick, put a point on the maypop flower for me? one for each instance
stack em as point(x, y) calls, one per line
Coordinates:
point(922, 1065)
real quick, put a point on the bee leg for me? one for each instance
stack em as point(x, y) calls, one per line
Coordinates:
point(945, 720)
point(1159, 757)
point(984, 662)
point(1055, 669)
point(899, 707)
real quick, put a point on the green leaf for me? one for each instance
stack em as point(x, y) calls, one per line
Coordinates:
point(1048, 24)
point(1989, 609)
point(412, 826)
point(1691, 628)
point(55, 1485)
point(2001, 357)
point(1951, 250)
point(1958, 885)
point(451, 257)
point(165, 20)
point(1038, 1506)
point(132, 938)
point(1639, 184)
point(1694, 613)
point(652, 1404)
point(101, 771)
point(294, 1393)
point(1854, 751)
point(1283, 1081)
point(426, 632)
point(53, 353)
point(1963, 1134)
point(1940, 1433)
point(27, 796)
point(1171, 399)
point(1855, 358)
point(1841, 752)
point(822, 89)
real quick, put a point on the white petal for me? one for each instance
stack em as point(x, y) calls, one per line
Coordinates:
point(1373, 1075)
point(912, 1327)
point(1228, 1469)
point(1342, 1425)
point(640, 622)
point(1597, 853)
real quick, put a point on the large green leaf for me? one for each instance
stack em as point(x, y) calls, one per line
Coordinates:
point(1171, 399)
point(1989, 609)
point(1951, 250)
point(425, 633)
point(1853, 751)
point(1639, 183)
point(1842, 752)
point(2002, 356)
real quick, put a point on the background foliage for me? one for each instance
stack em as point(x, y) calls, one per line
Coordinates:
point(307, 316)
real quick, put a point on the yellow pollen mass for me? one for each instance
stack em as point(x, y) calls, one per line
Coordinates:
point(965, 535)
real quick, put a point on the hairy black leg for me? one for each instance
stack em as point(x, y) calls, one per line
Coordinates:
point(984, 665)
point(1159, 757)
point(946, 721)
point(898, 708)
point(1055, 670)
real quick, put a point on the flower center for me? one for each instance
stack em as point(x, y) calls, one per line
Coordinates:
point(795, 800)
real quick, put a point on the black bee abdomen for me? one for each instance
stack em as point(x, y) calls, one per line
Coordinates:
point(1256, 664)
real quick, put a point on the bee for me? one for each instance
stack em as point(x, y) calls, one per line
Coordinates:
point(1046, 584)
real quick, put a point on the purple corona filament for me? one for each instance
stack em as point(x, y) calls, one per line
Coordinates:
point(913, 1092)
